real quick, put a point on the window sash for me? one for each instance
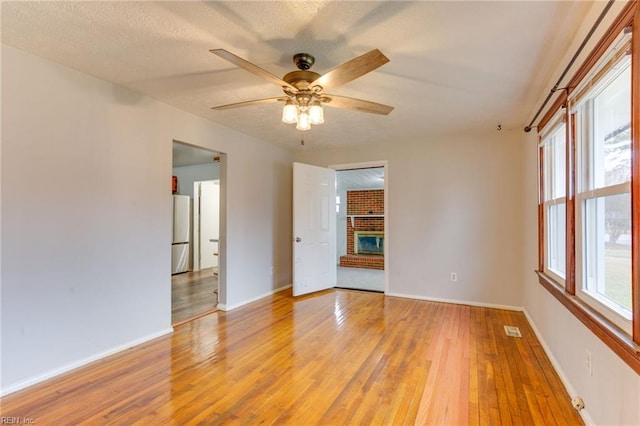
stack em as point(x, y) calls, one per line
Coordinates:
point(602, 76)
point(589, 168)
point(617, 314)
point(553, 148)
point(590, 256)
point(555, 239)
point(554, 151)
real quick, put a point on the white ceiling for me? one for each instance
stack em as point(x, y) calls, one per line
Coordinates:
point(187, 155)
point(455, 66)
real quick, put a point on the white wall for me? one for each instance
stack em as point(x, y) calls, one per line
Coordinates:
point(187, 175)
point(451, 209)
point(86, 216)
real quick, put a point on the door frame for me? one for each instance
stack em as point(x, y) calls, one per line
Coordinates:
point(222, 245)
point(368, 165)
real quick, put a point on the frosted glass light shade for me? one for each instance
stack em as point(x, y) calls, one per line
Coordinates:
point(304, 122)
point(289, 113)
point(316, 114)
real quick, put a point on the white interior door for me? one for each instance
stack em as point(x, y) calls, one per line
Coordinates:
point(314, 228)
point(209, 222)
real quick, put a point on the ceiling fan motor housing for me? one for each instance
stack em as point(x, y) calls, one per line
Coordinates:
point(303, 61)
point(301, 79)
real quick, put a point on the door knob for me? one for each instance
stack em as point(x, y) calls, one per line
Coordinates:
point(298, 239)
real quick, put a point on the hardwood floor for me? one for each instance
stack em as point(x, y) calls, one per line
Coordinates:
point(193, 294)
point(338, 357)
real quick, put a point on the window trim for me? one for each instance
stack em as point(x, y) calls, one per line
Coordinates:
point(626, 346)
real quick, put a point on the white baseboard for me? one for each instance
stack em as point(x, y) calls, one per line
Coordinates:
point(456, 302)
point(34, 380)
point(556, 366)
point(283, 288)
point(224, 307)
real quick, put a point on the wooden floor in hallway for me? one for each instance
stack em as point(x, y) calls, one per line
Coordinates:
point(193, 294)
point(337, 357)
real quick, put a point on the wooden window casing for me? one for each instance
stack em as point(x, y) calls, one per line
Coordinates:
point(570, 273)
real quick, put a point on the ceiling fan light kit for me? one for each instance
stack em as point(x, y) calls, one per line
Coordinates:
point(304, 122)
point(289, 112)
point(304, 89)
point(303, 109)
point(316, 113)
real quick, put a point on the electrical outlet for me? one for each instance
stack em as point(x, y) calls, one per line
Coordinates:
point(272, 270)
point(454, 277)
point(589, 363)
point(577, 403)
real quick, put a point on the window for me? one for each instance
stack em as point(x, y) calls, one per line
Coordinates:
point(603, 198)
point(589, 198)
point(554, 152)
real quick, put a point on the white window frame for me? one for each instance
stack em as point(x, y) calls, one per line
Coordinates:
point(549, 174)
point(583, 111)
point(619, 315)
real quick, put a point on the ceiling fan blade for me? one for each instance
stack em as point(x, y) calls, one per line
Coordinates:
point(357, 67)
point(250, 103)
point(356, 104)
point(252, 68)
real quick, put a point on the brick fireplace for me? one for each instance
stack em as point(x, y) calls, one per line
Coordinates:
point(365, 215)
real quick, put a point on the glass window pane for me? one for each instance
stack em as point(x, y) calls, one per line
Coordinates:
point(559, 163)
point(612, 132)
point(557, 239)
point(548, 171)
point(607, 246)
point(554, 152)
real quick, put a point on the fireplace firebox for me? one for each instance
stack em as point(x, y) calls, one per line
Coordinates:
point(368, 242)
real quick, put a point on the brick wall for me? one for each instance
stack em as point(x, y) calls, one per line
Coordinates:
point(364, 202)
point(367, 261)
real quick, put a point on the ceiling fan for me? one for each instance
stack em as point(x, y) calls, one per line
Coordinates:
point(304, 90)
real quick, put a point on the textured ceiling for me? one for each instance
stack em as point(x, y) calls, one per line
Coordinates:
point(454, 66)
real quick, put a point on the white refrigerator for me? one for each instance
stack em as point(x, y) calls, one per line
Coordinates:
point(181, 232)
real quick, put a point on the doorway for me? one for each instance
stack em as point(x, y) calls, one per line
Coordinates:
point(361, 222)
point(197, 178)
